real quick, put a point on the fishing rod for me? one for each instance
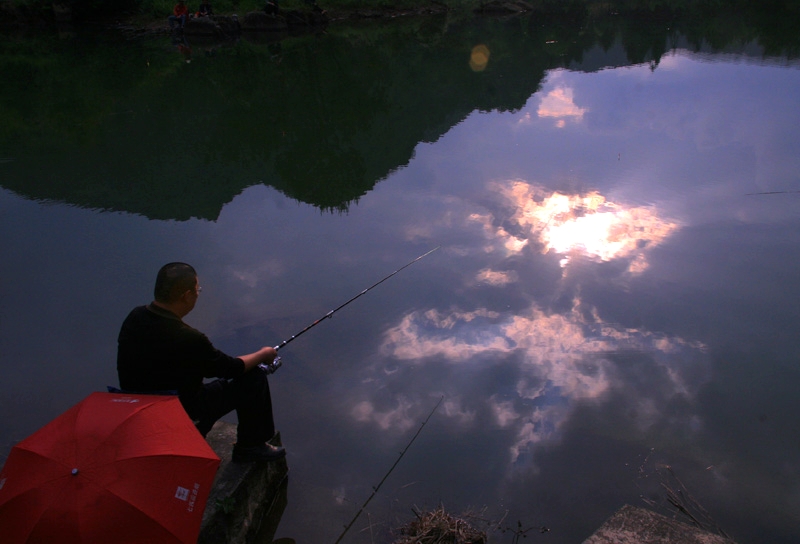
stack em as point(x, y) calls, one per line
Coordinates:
point(772, 193)
point(276, 364)
point(377, 487)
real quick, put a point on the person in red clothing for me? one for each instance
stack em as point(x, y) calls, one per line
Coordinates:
point(179, 15)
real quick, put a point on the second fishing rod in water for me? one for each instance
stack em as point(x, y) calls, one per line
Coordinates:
point(276, 364)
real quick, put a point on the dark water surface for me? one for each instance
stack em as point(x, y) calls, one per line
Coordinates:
point(618, 210)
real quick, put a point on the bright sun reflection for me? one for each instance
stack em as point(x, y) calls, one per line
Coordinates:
point(573, 225)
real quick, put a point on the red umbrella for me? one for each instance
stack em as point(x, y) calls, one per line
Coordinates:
point(113, 468)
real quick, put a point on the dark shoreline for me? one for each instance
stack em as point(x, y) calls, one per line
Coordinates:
point(19, 18)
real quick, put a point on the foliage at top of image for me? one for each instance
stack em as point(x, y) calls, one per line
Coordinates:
point(322, 118)
point(102, 9)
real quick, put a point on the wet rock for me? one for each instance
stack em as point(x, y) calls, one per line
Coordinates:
point(258, 21)
point(502, 7)
point(201, 26)
point(218, 26)
point(62, 12)
point(305, 18)
point(246, 500)
point(228, 25)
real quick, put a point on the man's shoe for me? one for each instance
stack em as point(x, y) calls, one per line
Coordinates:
point(258, 454)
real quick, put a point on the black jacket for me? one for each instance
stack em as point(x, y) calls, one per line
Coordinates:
point(159, 352)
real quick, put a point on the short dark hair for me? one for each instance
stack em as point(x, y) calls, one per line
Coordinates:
point(173, 280)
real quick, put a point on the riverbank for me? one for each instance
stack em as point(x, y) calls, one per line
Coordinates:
point(13, 15)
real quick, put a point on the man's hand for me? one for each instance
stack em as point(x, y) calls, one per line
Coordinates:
point(265, 355)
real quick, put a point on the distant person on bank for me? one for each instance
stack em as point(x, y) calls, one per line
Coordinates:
point(179, 15)
point(204, 10)
point(158, 352)
point(271, 7)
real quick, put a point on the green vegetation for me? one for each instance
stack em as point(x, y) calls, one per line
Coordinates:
point(227, 505)
point(120, 124)
point(143, 10)
point(93, 10)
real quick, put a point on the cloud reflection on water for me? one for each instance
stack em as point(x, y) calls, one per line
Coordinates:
point(562, 359)
point(559, 104)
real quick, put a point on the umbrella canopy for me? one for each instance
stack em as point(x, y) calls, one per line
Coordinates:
point(113, 468)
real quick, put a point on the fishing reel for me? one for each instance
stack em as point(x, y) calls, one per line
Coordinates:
point(271, 367)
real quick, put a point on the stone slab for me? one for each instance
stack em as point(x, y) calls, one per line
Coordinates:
point(633, 525)
point(246, 499)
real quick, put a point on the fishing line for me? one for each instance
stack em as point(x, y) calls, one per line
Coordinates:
point(377, 487)
point(272, 367)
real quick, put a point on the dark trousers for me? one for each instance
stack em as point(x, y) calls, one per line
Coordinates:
point(248, 395)
point(180, 20)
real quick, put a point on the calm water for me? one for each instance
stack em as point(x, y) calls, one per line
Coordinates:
point(614, 297)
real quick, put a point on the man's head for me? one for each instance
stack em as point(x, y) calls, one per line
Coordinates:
point(176, 284)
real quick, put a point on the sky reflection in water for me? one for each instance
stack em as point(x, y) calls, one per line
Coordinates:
point(606, 298)
point(582, 229)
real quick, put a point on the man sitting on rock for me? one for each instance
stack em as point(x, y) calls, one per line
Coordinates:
point(158, 352)
point(179, 15)
point(204, 10)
